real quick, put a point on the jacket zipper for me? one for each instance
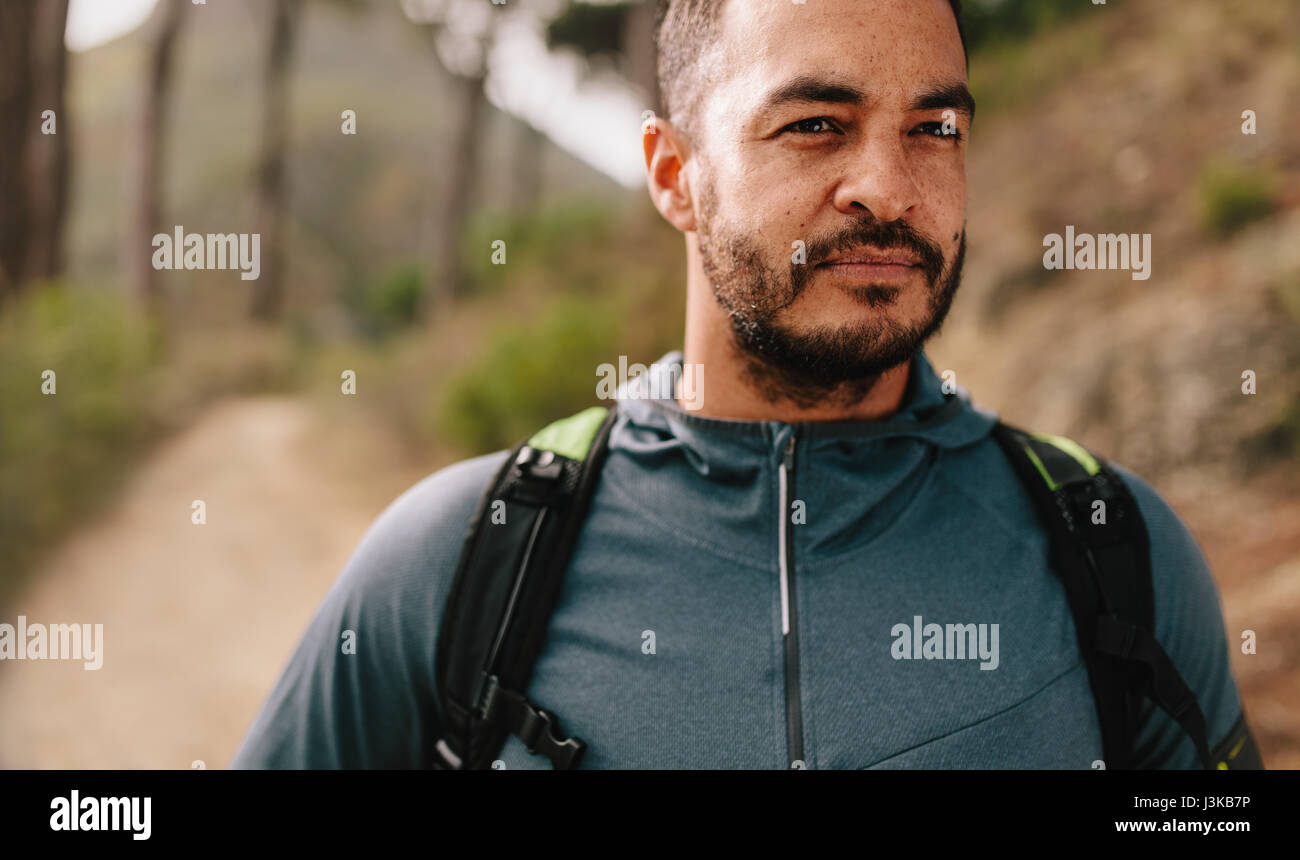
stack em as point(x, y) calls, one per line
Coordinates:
point(789, 630)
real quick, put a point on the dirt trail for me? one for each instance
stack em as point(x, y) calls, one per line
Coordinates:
point(198, 619)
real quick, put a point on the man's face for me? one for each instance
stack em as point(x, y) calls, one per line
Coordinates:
point(826, 126)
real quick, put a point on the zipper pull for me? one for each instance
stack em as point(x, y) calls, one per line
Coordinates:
point(787, 459)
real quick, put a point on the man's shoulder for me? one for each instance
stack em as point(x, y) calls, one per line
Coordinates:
point(425, 526)
point(1189, 615)
point(1175, 554)
point(403, 565)
point(373, 705)
point(1188, 610)
point(446, 497)
point(984, 473)
point(1190, 626)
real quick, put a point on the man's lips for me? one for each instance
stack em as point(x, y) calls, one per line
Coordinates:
point(873, 258)
point(861, 268)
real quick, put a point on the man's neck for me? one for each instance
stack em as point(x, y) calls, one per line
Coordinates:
point(732, 388)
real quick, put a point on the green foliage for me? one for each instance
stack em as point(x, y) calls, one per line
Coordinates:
point(1277, 441)
point(530, 375)
point(389, 303)
point(562, 239)
point(997, 22)
point(617, 288)
point(394, 301)
point(116, 392)
point(1232, 195)
point(590, 29)
point(59, 452)
point(1288, 290)
point(1018, 51)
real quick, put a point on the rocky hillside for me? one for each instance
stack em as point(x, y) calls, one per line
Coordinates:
point(1130, 120)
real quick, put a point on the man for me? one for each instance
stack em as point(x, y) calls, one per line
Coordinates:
point(753, 574)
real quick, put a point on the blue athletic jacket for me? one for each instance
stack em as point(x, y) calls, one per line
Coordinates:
point(685, 638)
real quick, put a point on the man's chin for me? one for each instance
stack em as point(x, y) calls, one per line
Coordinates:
point(828, 355)
point(861, 322)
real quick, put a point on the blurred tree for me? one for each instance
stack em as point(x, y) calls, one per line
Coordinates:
point(526, 158)
point(150, 151)
point(47, 154)
point(17, 21)
point(621, 34)
point(272, 190)
point(33, 163)
point(462, 33)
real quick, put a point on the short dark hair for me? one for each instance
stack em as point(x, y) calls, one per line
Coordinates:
point(683, 31)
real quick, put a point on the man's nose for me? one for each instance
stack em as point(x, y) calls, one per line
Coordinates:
point(878, 178)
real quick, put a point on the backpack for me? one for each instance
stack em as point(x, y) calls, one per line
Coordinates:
point(506, 586)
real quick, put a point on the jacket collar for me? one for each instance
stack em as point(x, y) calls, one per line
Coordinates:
point(925, 413)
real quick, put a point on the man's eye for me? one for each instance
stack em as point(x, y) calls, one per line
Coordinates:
point(813, 125)
point(937, 129)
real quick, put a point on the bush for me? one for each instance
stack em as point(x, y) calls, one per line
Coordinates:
point(1233, 195)
point(997, 22)
point(61, 451)
point(389, 303)
point(563, 238)
point(529, 376)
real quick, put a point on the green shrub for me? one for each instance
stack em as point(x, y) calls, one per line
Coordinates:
point(998, 22)
point(559, 239)
point(1232, 195)
point(530, 375)
point(389, 302)
point(394, 302)
point(59, 452)
point(1288, 290)
point(1279, 440)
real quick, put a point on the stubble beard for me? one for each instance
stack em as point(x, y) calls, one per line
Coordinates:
point(831, 365)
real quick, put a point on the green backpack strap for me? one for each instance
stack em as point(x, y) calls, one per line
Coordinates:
point(1101, 552)
point(507, 582)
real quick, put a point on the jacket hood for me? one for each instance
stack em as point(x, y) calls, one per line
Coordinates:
point(715, 482)
point(925, 414)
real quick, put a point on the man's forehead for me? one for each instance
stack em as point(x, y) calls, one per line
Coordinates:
point(873, 46)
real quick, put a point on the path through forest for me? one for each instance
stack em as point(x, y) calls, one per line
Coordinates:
point(198, 619)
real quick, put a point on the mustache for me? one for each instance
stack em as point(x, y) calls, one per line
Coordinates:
point(885, 235)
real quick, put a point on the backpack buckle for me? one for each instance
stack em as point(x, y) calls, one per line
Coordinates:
point(537, 728)
point(540, 732)
point(539, 463)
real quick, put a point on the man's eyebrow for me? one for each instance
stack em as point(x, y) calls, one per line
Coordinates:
point(955, 95)
point(807, 88)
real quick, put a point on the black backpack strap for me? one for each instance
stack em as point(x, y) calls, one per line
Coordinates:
point(1102, 555)
point(1237, 751)
point(507, 582)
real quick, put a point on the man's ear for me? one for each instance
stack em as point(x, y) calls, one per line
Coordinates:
point(666, 152)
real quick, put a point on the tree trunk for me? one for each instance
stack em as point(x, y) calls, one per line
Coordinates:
point(47, 154)
point(458, 200)
point(17, 19)
point(530, 146)
point(150, 152)
point(639, 51)
point(272, 188)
